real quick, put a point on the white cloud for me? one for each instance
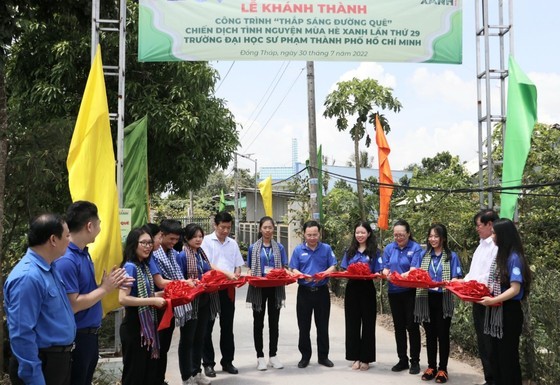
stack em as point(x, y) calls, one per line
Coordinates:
point(444, 87)
point(548, 95)
point(459, 139)
point(368, 70)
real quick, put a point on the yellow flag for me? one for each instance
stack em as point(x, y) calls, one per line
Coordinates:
point(266, 193)
point(91, 174)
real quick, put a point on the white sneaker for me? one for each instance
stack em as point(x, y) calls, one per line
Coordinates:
point(201, 379)
point(261, 363)
point(190, 381)
point(275, 363)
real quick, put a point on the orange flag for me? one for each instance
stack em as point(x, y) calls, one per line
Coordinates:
point(385, 176)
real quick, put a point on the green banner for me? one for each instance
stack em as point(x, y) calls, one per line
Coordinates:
point(352, 30)
point(135, 172)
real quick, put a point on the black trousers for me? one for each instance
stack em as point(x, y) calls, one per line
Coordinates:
point(437, 332)
point(138, 366)
point(360, 310)
point(165, 337)
point(484, 342)
point(56, 368)
point(268, 296)
point(505, 350)
point(191, 340)
point(227, 345)
point(316, 303)
point(84, 358)
point(402, 309)
point(199, 335)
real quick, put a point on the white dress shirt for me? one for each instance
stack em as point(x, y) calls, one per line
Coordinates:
point(483, 257)
point(225, 256)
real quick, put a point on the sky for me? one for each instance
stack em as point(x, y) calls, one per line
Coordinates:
point(269, 98)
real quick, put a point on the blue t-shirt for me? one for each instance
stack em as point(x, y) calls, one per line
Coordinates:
point(435, 269)
point(38, 313)
point(515, 270)
point(310, 261)
point(201, 265)
point(132, 271)
point(400, 260)
point(267, 257)
point(78, 275)
point(375, 264)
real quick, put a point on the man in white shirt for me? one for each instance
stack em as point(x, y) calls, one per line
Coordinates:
point(479, 271)
point(224, 255)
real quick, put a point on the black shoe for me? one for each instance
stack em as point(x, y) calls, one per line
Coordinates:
point(400, 366)
point(303, 363)
point(325, 362)
point(209, 371)
point(414, 368)
point(230, 369)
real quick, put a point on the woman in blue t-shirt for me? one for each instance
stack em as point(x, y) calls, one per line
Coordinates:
point(264, 255)
point(434, 307)
point(509, 282)
point(398, 256)
point(360, 298)
point(139, 336)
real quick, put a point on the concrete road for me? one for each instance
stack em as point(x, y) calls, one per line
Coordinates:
point(246, 361)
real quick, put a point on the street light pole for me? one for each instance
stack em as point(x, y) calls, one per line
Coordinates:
point(248, 156)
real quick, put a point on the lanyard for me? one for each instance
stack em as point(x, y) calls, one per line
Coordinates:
point(434, 268)
point(268, 255)
point(199, 264)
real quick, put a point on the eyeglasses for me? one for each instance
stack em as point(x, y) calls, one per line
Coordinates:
point(146, 243)
point(400, 235)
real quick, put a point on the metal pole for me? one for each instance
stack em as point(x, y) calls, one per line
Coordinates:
point(235, 200)
point(94, 27)
point(312, 132)
point(121, 99)
point(256, 189)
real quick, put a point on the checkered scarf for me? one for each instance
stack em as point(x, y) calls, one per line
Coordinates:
point(494, 317)
point(170, 269)
point(254, 294)
point(147, 314)
point(194, 261)
point(421, 305)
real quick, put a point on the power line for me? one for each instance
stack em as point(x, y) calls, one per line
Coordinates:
point(273, 84)
point(225, 77)
point(275, 110)
point(463, 190)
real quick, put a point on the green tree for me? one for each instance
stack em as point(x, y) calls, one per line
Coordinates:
point(190, 130)
point(366, 161)
point(357, 99)
point(421, 208)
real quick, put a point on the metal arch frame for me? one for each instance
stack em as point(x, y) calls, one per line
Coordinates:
point(489, 76)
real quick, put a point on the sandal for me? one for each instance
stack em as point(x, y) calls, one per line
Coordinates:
point(441, 377)
point(356, 365)
point(364, 366)
point(429, 374)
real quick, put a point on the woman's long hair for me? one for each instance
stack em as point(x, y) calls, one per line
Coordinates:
point(371, 242)
point(131, 245)
point(441, 231)
point(508, 242)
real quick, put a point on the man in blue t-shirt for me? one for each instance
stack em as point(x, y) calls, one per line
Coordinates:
point(312, 257)
point(78, 274)
point(40, 320)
